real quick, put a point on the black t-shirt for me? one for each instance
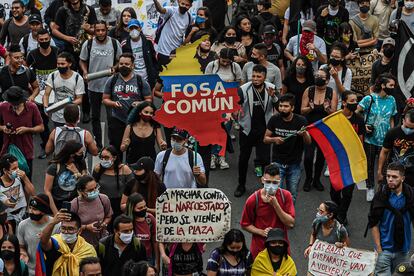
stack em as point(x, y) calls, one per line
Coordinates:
point(328, 26)
point(296, 88)
point(7, 79)
point(357, 122)
point(290, 152)
point(402, 148)
point(204, 62)
point(70, 21)
point(377, 69)
point(274, 54)
point(276, 265)
point(43, 65)
point(189, 262)
point(120, 36)
point(51, 256)
point(258, 116)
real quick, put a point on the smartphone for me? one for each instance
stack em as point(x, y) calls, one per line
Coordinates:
point(356, 51)
point(13, 199)
point(66, 205)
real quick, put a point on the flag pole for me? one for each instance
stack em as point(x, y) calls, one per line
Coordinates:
point(195, 152)
point(297, 54)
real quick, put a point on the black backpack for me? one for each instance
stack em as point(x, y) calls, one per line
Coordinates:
point(265, 22)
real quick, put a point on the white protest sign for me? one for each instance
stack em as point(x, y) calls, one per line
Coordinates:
point(327, 259)
point(192, 215)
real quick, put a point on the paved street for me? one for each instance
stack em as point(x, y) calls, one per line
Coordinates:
point(305, 207)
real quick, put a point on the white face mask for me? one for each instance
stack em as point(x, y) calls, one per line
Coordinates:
point(69, 238)
point(134, 34)
point(126, 238)
point(331, 11)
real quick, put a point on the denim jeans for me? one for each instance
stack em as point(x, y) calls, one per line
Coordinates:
point(387, 262)
point(290, 178)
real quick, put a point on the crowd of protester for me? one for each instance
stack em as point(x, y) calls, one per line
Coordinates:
point(292, 68)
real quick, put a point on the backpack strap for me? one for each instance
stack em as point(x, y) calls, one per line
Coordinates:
point(6, 27)
point(311, 93)
point(399, 13)
point(139, 82)
point(343, 75)
point(369, 108)
point(89, 48)
point(115, 47)
point(165, 161)
point(26, 42)
point(113, 82)
point(53, 81)
point(191, 158)
point(357, 20)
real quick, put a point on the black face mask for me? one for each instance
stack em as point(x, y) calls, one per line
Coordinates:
point(389, 91)
point(277, 250)
point(7, 255)
point(388, 51)
point(364, 9)
point(63, 70)
point(35, 217)
point(140, 214)
point(234, 253)
point(335, 62)
point(182, 10)
point(78, 158)
point(230, 39)
point(124, 71)
point(352, 106)
point(3, 218)
point(202, 50)
point(254, 60)
point(320, 81)
point(284, 114)
point(44, 45)
point(141, 177)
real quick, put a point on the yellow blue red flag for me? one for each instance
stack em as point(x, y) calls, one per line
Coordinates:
point(342, 149)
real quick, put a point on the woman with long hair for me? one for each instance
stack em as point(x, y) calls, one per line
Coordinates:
point(10, 254)
point(62, 174)
point(346, 36)
point(246, 33)
point(228, 39)
point(141, 268)
point(121, 32)
point(146, 182)
point(299, 76)
point(112, 176)
point(141, 134)
point(144, 226)
point(232, 257)
point(202, 26)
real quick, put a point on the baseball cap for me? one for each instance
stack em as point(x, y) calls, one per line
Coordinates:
point(134, 23)
point(389, 40)
point(35, 18)
point(309, 25)
point(269, 29)
point(144, 163)
point(180, 133)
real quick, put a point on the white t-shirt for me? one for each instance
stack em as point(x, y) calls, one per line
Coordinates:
point(172, 35)
point(140, 68)
point(63, 89)
point(232, 72)
point(346, 83)
point(178, 173)
point(16, 190)
point(32, 44)
point(293, 45)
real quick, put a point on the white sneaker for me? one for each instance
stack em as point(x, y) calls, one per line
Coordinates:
point(223, 164)
point(370, 194)
point(326, 173)
point(233, 137)
point(213, 162)
point(236, 125)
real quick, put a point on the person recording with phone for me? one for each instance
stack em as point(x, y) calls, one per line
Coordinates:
point(267, 208)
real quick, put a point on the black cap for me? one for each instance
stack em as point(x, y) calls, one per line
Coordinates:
point(105, 2)
point(179, 132)
point(35, 18)
point(276, 234)
point(144, 163)
point(269, 29)
point(41, 202)
point(15, 95)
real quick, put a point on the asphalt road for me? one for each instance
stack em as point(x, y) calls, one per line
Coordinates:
point(306, 205)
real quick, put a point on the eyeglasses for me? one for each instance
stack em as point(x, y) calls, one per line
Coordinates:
point(68, 230)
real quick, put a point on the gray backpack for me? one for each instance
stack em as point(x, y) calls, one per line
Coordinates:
point(66, 134)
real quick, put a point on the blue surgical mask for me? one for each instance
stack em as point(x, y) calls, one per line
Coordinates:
point(69, 238)
point(14, 175)
point(176, 145)
point(271, 189)
point(407, 131)
point(320, 218)
point(93, 195)
point(106, 164)
point(199, 19)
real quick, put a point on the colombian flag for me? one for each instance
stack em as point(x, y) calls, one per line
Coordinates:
point(342, 149)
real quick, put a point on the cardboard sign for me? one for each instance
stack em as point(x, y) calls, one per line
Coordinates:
point(361, 72)
point(192, 215)
point(197, 104)
point(327, 259)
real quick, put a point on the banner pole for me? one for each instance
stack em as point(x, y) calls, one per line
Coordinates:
point(195, 152)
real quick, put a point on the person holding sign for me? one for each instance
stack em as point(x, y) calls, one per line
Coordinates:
point(274, 260)
point(390, 217)
point(178, 167)
point(267, 208)
point(326, 228)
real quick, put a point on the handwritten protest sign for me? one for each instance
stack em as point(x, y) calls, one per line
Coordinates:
point(192, 215)
point(327, 259)
point(361, 72)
